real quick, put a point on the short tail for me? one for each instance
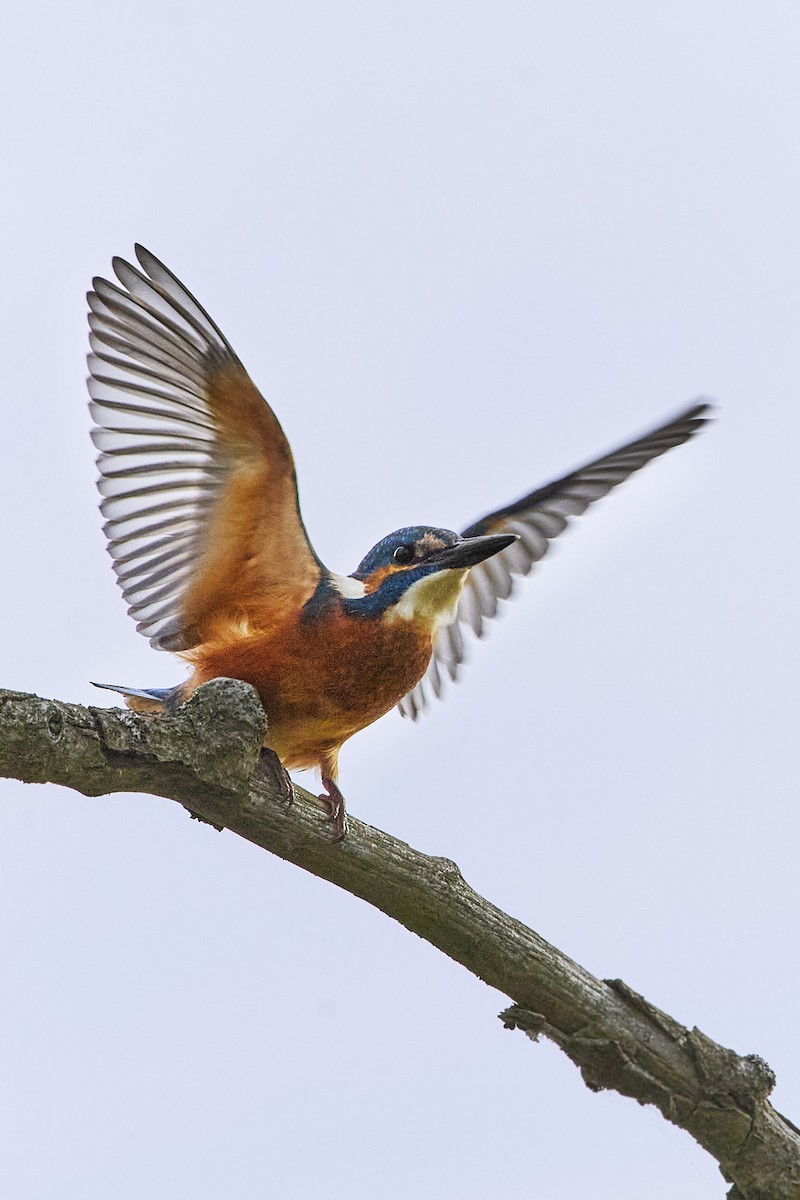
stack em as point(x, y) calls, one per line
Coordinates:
point(144, 699)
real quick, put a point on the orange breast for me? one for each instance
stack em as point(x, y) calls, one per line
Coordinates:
point(320, 681)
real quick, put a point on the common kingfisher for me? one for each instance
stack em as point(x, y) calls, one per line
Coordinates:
point(209, 548)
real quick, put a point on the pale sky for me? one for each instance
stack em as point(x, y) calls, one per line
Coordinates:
point(461, 248)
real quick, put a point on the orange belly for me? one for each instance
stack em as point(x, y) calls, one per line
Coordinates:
point(320, 682)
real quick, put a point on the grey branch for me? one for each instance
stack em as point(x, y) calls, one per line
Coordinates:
point(209, 759)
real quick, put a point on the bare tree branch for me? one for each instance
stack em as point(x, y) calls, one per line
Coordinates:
point(208, 758)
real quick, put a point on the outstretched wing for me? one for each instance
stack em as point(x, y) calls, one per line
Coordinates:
point(197, 477)
point(536, 519)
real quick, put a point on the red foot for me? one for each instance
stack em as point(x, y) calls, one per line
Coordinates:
point(334, 802)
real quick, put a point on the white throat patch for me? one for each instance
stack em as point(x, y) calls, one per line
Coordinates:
point(432, 600)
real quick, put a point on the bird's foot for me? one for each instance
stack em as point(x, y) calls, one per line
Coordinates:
point(334, 802)
point(282, 776)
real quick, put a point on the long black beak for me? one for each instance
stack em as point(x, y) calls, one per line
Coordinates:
point(470, 551)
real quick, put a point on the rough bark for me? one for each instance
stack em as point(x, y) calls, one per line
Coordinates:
point(209, 759)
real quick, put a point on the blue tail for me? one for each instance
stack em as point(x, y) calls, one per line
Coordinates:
point(160, 695)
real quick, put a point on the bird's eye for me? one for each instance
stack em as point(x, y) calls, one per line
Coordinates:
point(404, 554)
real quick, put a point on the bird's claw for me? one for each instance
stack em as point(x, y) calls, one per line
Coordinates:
point(334, 803)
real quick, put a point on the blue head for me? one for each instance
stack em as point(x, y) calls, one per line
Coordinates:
point(418, 573)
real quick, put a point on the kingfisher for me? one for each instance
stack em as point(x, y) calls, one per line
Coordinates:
point(203, 524)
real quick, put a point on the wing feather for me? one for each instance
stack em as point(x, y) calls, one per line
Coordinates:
point(536, 519)
point(197, 479)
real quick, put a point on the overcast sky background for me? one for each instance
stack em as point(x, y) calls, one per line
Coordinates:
point(461, 248)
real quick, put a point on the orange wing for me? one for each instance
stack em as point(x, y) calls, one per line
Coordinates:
point(197, 477)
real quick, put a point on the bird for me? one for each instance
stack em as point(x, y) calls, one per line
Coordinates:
point(202, 519)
